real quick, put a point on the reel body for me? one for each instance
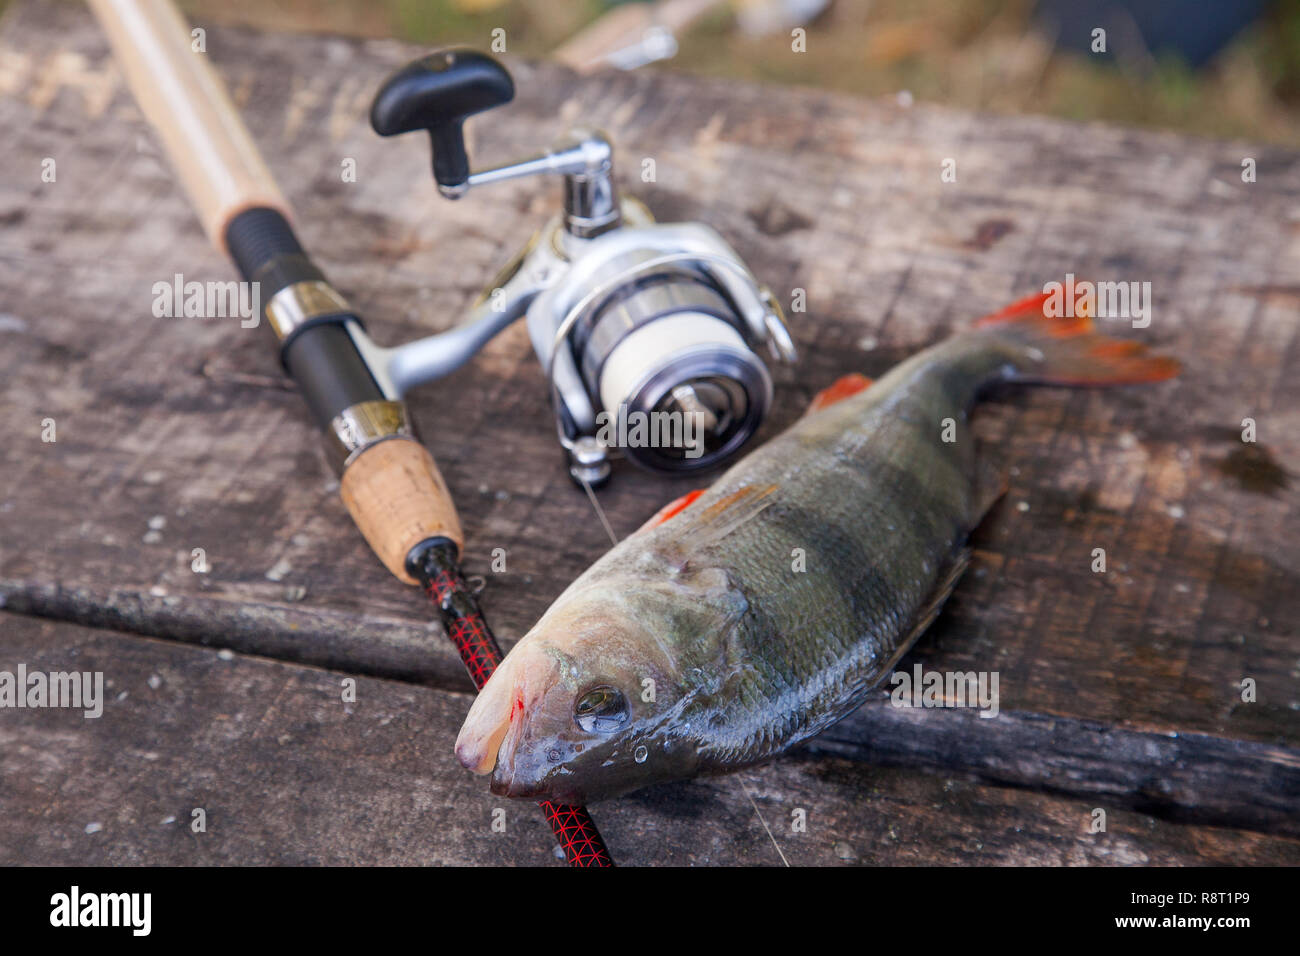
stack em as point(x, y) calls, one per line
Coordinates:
point(649, 333)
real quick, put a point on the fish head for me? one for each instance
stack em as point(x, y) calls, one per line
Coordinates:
point(588, 705)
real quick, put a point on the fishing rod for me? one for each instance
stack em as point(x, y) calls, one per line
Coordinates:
point(388, 480)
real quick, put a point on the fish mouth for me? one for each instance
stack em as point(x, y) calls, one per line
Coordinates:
point(508, 785)
point(494, 727)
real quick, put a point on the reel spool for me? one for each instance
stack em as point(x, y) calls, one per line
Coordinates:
point(648, 332)
point(666, 349)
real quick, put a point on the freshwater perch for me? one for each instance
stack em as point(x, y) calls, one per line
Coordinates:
point(698, 646)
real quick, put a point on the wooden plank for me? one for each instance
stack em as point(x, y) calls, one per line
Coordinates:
point(1186, 777)
point(623, 28)
point(179, 433)
point(287, 773)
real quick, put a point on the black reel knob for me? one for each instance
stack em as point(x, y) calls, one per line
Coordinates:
point(437, 93)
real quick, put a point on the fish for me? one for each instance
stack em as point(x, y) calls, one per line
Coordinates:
point(744, 619)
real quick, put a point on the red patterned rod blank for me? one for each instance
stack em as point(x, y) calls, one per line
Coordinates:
point(437, 571)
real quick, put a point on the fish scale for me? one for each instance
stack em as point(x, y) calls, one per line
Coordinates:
point(745, 654)
point(817, 637)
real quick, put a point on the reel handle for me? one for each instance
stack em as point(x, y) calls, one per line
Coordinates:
point(437, 93)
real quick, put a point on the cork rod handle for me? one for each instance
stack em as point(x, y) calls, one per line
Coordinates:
point(397, 498)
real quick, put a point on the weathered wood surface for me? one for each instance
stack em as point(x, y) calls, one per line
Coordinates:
point(188, 424)
point(287, 773)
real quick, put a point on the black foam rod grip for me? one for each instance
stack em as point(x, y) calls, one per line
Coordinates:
point(321, 355)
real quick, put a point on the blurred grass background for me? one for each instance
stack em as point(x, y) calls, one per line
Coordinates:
point(992, 55)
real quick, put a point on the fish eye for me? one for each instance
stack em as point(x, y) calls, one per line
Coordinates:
point(602, 710)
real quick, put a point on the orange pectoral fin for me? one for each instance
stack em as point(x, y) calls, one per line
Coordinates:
point(842, 388)
point(674, 507)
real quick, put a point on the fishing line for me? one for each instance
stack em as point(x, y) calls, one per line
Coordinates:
point(600, 513)
point(759, 814)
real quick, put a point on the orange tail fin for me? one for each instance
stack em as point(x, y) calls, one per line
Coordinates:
point(1067, 350)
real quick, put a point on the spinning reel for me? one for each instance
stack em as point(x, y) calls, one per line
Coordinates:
point(647, 332)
